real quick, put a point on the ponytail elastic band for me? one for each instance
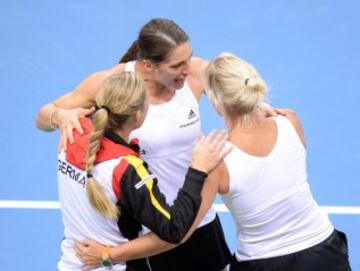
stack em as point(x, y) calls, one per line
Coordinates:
point(89, 175)
point(247, 80)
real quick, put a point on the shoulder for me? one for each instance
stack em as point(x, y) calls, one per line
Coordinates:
point(295, 121)
point(198, 64)
point(91, 84)
point(96, 78)
point(197, 68)
point(130, 168)
point(134, 161)
point(83, 95)
point(138, 165)
point(196, 76)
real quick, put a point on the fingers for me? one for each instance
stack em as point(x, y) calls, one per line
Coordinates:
point(226, 150)
point(219, 142)
point(200, 138)
point(210, 137)
point(78, 246)
point(269, 112)
point(209, 151)
point(89, 267)
point(69, 134)
point(90, 111)
point(84, 255)
point(81, 113)
point(78, 128)
point(273, 112)
point(288, 110)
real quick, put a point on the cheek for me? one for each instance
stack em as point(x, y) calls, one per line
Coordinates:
point(167, 76)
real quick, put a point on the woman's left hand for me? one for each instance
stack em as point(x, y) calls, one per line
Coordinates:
point(273, 112)
point(89, 252)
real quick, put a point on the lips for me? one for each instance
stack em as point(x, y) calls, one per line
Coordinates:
point(179, 80)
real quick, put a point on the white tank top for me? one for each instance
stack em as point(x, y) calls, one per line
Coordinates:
point(167, 138)
point(270, 199)
point(79, 217)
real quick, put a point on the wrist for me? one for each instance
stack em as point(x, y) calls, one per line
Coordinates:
point(199, 167)
point(112, 255)
point(106, 260)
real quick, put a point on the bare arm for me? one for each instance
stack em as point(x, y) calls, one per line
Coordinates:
point(64, 113)
point(82, 96)
point(196, 77)
point(147, 245)
point(211, 187)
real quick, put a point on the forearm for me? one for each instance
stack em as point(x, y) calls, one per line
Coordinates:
point(208, 194)
point(144, 246)
point(149, 205)
point(45, 117)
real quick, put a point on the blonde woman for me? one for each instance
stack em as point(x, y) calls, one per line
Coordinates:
point(106, 191)
point(263, 182)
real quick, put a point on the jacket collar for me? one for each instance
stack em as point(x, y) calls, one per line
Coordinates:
point(112, 146)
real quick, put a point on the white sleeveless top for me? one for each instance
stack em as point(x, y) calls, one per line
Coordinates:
point(79, 217)
point(270, 199)
point(167, 138)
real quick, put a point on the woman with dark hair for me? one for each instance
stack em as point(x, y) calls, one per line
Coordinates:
point(162, 56)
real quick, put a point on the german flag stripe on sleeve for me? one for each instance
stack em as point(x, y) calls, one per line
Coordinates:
point(117, 174)
point(144, 174)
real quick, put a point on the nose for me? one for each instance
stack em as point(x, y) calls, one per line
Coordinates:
point(186, 69)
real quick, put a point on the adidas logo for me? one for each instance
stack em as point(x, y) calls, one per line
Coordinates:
point(192, 114)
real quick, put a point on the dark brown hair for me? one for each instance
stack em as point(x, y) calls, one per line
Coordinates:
point(156, 40)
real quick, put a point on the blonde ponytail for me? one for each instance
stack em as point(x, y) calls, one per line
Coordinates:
point(95, 192)
point(121, 95)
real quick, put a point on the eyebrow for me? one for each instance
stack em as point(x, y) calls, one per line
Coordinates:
point(179, 63)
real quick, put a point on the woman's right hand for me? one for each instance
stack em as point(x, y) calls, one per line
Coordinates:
point(67, 120)
point(89, 252)
point(209, 151)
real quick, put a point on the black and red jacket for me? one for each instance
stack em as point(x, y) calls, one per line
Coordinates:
point(139, 198)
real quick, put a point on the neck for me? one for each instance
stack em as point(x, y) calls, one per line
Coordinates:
point(246, 123)
point(124, 133)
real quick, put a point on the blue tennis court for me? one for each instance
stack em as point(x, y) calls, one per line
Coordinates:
point(307, 51)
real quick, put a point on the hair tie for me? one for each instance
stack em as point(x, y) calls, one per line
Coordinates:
point(89, 175)
point(106, 108)
point(247, 80)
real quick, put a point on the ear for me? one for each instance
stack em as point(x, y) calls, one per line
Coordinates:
point(147, 65)
point(137, 118)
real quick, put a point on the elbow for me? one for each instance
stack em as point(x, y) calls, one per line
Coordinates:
point(175, 241)
point(41, 117)
point(37, 119)
point(173, 237)
point(184, 239)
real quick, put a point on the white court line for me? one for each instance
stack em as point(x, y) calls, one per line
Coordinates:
point(15, 204)
point(27, 204)
point(345, 210)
